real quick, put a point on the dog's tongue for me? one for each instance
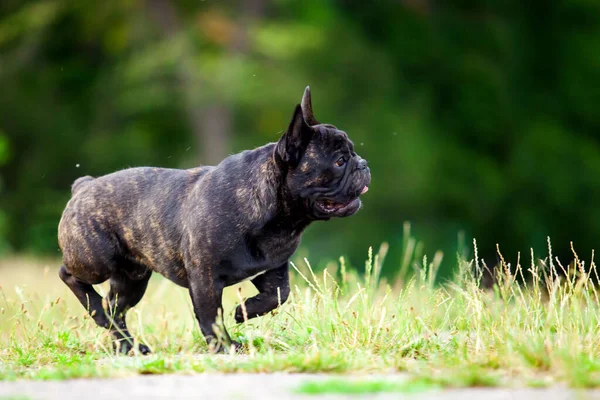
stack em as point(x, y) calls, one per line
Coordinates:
point(365, 190)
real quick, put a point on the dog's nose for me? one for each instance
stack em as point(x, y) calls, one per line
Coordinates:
point(362, 164)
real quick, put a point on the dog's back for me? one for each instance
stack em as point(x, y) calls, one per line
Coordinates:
point(80, 182)
point(125, 215)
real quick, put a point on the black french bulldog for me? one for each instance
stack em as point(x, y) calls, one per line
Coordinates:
point(208, 227)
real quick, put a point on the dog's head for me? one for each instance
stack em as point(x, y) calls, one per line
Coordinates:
point(322, 168)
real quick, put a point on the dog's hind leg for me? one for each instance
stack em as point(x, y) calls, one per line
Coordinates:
point(86, 294)
point(125, 293)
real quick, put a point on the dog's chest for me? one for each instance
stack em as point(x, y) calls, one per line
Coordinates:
point(261, 253)
point(273, 247)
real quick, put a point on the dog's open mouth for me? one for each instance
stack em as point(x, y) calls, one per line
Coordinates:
point(330, 206)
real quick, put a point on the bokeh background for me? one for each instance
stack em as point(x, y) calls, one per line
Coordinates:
point(478, 118)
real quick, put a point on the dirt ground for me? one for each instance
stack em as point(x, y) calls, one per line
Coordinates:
point(249, 386)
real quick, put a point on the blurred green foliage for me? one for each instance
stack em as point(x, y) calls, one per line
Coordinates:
point(475, 116)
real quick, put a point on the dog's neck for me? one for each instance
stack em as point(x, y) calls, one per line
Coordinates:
point(287, 210)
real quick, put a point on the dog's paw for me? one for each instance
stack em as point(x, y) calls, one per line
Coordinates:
point(143, 349)
point(234, 348)
point(238, 348)
point(221, 348)
point(124, 347)
point(239, 315)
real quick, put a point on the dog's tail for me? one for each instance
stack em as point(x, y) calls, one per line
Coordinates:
point(80, 183)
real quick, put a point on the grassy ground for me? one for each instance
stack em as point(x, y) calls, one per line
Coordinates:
point(540, 333)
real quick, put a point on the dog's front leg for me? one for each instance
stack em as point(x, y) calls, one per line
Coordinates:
point(274, 289)
point(206, 296)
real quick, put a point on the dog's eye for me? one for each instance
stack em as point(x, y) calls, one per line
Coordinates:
point(340, 162)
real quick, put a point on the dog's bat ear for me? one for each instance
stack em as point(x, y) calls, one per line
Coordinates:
point(307, 110)
point(295, 140)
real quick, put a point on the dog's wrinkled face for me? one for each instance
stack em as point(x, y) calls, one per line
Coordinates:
point(323, 169)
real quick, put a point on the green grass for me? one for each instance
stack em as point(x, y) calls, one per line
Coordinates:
point(341, 386)
point(14, 397)
point(455, 334)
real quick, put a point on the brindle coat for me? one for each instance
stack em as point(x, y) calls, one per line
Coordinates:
point(208, 227)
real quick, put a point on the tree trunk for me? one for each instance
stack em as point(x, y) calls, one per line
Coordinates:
point(210, 124)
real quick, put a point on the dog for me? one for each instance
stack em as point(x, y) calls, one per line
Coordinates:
point(208, 227)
